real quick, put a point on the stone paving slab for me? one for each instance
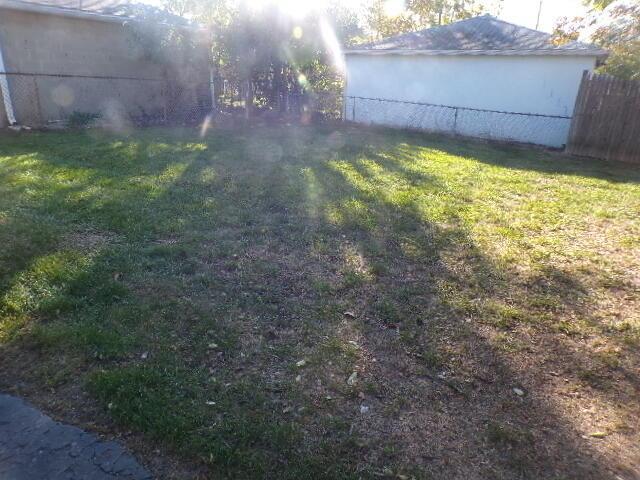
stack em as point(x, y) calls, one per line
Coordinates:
point(35, 447)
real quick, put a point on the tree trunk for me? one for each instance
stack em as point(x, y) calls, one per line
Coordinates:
point(248, 98)
point(278, 87)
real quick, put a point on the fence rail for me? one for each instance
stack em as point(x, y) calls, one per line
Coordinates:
point(45, 99)
point(607, 119)
point(536, 128)
point(41, 99)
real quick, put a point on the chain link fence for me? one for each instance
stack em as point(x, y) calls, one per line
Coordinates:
point(41, 100)
point(48, 100)
point(548, 130)
point(286, 103)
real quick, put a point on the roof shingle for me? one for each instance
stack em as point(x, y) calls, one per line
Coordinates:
point(99, 8)
point(478, 35)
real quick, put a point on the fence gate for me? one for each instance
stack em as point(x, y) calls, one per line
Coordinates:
point(606, 121)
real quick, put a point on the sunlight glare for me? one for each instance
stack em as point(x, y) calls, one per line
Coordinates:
point(393, 8)
point(332, 44)
point(292, 8)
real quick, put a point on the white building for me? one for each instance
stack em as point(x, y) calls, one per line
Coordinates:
point(480, 77)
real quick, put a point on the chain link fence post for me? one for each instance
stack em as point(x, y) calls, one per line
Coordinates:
point(353, 115)
point(455, 122)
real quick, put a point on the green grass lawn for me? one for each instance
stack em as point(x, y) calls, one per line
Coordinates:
point(295, 302)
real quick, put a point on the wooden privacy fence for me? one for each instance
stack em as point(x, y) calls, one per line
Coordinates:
point(606, 120)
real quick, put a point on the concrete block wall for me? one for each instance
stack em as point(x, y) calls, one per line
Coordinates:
point(37, 43)
point(41, 43)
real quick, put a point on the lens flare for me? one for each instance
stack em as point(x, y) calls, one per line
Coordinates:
point(62, 95)
point(333, 45)
point(204, 128)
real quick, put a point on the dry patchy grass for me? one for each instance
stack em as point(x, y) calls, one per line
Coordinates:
point(325, 303)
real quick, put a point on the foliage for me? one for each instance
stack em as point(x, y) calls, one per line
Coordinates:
point(81, 119)
point(598, 4)
point(440, 12)
point(622, 38)
point(265, 57)
point(163, 37)
point(616, 30)
point(281, 59)
point(420, 14)
point(567, 30)
point(382, 25)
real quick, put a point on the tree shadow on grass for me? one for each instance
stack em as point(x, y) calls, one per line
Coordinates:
point(272, 235)
point(502, 154)
point(438, 293)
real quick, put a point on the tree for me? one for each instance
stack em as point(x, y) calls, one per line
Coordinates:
point(180, 7)
point(162, 36)
point(420, 14)
point(440, 12)
point(382, 23)
point(621, 37)
point(615, 27)
point(567, 30)
point(265, 57)
point(598, 4)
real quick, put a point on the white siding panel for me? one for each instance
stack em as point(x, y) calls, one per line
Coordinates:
point(552, 132)
point(536, 85)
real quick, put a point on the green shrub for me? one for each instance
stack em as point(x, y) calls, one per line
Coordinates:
point(81, 119)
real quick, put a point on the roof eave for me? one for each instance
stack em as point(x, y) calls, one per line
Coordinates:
point(80, 14)
point(61, 12)
point(599, 53)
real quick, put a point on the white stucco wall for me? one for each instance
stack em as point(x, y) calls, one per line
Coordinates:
point(544, 85)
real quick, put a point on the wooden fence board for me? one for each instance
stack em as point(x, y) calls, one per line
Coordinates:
point(606, 120)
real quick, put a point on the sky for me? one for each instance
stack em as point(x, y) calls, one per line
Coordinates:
point(520, 12)
point(525, 12)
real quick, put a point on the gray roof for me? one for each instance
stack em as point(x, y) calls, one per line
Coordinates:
point(108, 10)
point(484, 35)
point(96, 6)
